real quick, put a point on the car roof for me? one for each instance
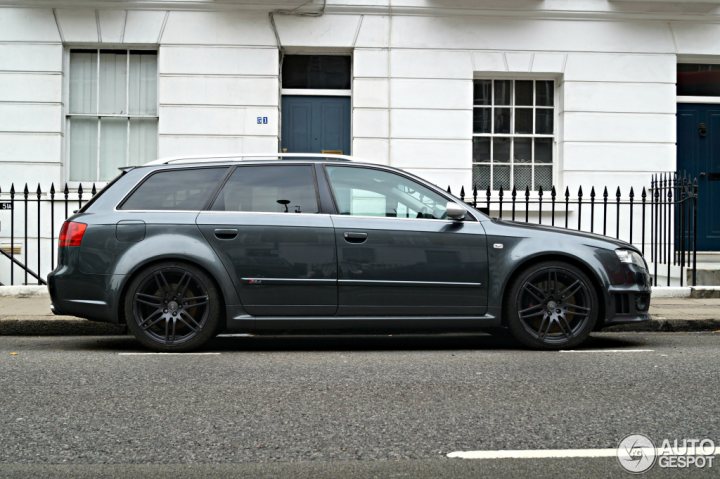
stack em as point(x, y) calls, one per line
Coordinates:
point(240, 157)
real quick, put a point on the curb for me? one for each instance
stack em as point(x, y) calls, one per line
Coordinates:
point(62, 326)
point(68, 326)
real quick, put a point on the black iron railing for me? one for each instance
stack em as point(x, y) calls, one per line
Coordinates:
point(660, 219)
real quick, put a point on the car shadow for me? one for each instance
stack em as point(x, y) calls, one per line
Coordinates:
point(360, 342)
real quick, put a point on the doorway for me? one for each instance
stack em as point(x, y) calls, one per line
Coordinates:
point(698, 155)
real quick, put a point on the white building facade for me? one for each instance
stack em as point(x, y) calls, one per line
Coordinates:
point(461, 92)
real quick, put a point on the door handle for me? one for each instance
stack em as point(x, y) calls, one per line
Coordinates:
point(355, 237)
point(226, 233)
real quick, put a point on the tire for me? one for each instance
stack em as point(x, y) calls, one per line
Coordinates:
point(551, 305)
point(172, 306)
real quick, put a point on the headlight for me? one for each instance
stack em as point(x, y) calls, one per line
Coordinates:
point(630, 256)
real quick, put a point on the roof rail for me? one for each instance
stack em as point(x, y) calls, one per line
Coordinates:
point(243, 157)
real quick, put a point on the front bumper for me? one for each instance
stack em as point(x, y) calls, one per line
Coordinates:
point(629, 302)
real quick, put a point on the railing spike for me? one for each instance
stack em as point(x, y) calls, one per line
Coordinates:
point(592, 193)
point(644, 193)
point(567, 192)
point(66, 191)
point(80, 190)
point(617, 193)
point(93, 190)
point(580, 193)
point(448, 189)
point(514, 192)
point(500, 193)
point(26, 191)
point(553, 193)
point(632, 192)
point(527, 191)
point(52, 189)
point(540, 191)
point(38, 192)
point(12, 189)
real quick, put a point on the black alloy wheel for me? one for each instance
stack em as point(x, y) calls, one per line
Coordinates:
point(552, 305)
point(172, 307)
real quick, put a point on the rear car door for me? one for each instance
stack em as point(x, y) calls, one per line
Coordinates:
point(266, 227)
point(398, 255)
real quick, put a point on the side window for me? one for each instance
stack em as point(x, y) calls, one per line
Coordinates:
point(175, 190)
point(371, 192)
point(272, 188)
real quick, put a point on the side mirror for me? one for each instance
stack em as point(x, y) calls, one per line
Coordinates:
point(455, 211)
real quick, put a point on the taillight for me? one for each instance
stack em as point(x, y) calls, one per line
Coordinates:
point(71, 234)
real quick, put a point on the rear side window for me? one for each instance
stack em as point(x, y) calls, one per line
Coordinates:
point(274, 189)
point(175, 190)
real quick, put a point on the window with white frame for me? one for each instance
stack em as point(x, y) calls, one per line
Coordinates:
point(513, 134)
point(112, 117)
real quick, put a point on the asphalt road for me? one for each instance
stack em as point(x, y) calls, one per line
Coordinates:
point(389, 406)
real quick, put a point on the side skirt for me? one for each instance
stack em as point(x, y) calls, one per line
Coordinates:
point(246, 323)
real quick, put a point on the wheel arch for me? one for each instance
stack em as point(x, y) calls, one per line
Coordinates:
point(150, 262)
point(541, 258)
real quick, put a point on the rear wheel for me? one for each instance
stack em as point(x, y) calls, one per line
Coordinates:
point(172, 306)
point(552, 305)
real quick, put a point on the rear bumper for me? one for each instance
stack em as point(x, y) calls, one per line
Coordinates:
point(84, 295)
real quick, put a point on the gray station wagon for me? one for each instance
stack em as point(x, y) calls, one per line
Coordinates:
point(181, 250)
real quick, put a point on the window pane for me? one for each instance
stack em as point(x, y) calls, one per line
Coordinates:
point(481, 177)
point(83, 82)
point(143, 141)
point(502, 120)
point(544, 93)
point(524, 93)
point(523, 177)
point(143, 83)
point(502, 92)
point(316, 71)
point(543, 150)
point(523, 120)
point(501, 150)
point(274, 189)
point(543, 121)
point(481, 150)
point(501, 177)
point(371, 192)
point(481, 120)
point(543, 177)
point(113, 146)
point(523, 151)
point(175, 190)
point(481, 92)
point(113, 78)
point(83, 149)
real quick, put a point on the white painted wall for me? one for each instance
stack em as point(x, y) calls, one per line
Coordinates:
point(614, 64)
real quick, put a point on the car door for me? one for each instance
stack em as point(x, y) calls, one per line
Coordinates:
point(397, 254)
point(266, 228)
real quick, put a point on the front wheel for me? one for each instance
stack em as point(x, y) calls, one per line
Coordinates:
point(172, 306)
point(552, 305)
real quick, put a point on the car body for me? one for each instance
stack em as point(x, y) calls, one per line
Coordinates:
point(320, 243)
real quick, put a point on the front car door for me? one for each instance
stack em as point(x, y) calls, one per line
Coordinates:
point(266, 227)
point(398, 254)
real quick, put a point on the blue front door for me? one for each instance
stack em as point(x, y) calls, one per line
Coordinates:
point(698, 154)
point(313, 124)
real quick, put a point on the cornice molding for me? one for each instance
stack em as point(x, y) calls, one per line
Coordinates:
point(638, 11)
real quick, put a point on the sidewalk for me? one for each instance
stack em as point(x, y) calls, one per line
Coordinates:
point(31, 315)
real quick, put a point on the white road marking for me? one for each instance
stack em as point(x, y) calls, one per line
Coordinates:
point(534, 453)
point(607, 350)
point(547, 453)
point(168, 354)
